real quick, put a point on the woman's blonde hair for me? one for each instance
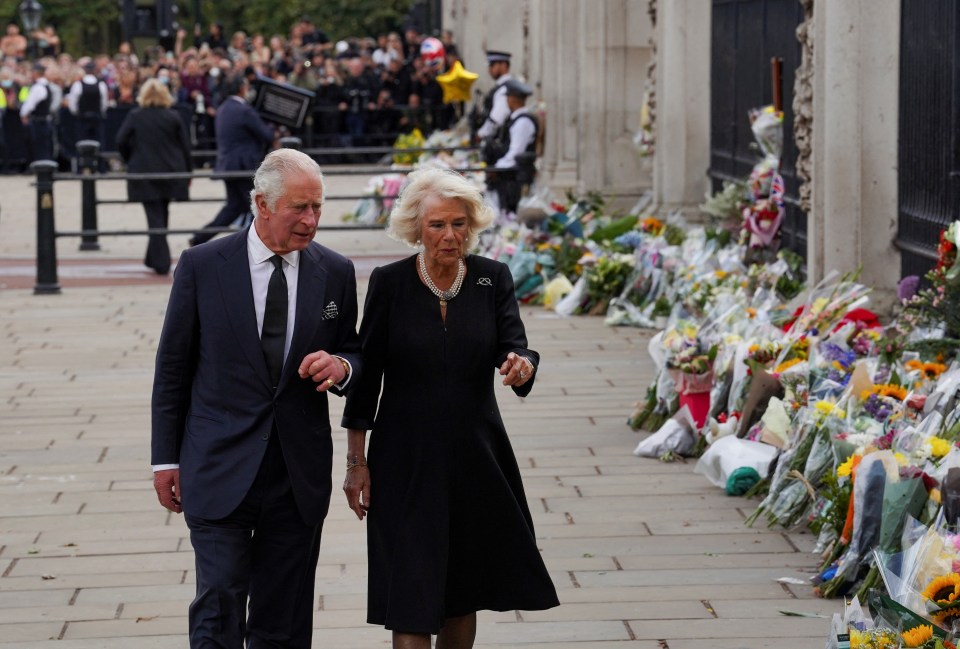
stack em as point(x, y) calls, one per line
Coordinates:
point(407, 214)
point(154, 93)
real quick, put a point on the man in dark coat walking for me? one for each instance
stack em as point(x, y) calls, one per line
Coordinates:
point(259, 326)
point(242, 140)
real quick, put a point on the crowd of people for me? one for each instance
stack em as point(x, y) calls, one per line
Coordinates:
point(367, 90)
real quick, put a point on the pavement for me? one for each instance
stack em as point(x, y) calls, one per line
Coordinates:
point(643, 553)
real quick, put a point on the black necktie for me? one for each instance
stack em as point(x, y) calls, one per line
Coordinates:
point(274, 333)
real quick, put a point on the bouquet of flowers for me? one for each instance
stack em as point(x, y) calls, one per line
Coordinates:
point(938, 305)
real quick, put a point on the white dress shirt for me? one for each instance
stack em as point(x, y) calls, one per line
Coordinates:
point(38, 92)
point(499, 112)
point(258, 256)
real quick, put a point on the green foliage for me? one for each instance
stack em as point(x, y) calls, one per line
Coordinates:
point(92, 26)
point(615, 228)
point(674, 234)
point(83, 27)
point(339, 19)
point(725, 204)
point(791, 283)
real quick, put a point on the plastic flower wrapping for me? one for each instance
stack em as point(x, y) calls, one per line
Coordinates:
point(797, 396)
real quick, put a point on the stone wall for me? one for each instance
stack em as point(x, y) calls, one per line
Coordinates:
point(587, 61)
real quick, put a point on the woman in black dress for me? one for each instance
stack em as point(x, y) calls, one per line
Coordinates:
point(153, 138)
point(449, 531)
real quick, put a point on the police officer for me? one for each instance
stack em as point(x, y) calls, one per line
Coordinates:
point(87, 101)
point(495, 110)
point(516, 145)
point(37, 112)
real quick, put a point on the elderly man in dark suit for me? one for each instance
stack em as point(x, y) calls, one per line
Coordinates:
point(242, 139)
point(259, 326)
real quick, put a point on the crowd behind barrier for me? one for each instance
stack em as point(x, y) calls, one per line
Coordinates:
point(367, 91)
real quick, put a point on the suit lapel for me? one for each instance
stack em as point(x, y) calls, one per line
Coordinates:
point(237, 292)
point(311, 285)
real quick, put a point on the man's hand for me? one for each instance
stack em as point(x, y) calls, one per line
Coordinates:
point(167, 484)
point(323, 368)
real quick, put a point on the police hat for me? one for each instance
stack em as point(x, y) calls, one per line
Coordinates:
point(517, 89)
point(89, 66)
point(493, 56)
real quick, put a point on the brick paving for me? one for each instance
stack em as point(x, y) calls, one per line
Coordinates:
point(644, 554)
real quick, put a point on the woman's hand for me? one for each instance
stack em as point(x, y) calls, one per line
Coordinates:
point(516, 370)
point(356, 486)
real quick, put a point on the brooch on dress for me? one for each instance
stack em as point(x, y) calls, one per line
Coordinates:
point(485, 281)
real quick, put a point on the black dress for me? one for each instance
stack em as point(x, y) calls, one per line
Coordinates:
point(449, 531)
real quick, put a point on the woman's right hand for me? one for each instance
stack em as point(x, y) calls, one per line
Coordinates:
point(356, 486)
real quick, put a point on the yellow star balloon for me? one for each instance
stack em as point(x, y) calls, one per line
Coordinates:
point(456, 83)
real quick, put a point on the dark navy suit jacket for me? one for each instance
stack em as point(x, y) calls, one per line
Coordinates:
point(242, 137)
point(214, 408)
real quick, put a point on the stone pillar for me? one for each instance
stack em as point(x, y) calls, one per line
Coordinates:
point(683, 104)
point(854, 217)
point(587, 63)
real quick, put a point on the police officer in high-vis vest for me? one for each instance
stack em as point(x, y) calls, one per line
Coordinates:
point(37, 112)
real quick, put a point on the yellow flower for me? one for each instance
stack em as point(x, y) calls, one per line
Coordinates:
point(945, 618)
point(935, 495)
point(720, 274)
point(885, 390)
point(943, 589)
point(901, 459)
point(785, 365)
point(838, 366)
point(929, 370)
point(826, 408)
point(818, 305)
point(844, 470)
point(938, 446)
point(917, 635)
point(751, 312)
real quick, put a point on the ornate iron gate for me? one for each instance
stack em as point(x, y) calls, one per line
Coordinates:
point(928, 152)
point(746, 34)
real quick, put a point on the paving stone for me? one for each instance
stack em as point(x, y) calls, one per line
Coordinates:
point(57, 614)
point(634, 545)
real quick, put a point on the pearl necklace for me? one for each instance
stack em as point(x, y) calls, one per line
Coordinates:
point(451, 292)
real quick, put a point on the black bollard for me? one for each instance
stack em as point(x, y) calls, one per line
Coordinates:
point(46, 234)
point(291, 143)
point(89, 163)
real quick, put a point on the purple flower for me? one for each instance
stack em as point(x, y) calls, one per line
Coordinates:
point(907, 287)
point(877, 408)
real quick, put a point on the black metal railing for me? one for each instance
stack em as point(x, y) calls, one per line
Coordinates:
point(746, 35)
point(928, 152)
point(89, 176)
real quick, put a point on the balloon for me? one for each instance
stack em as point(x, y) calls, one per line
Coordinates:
point(456, 83)
point(432, 52)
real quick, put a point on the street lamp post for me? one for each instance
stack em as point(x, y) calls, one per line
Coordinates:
point(30, 12)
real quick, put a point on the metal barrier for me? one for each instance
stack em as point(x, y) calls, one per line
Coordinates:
point(88, 150)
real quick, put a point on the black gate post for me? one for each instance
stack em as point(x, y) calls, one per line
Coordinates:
point(46, 234)
point(89, 155)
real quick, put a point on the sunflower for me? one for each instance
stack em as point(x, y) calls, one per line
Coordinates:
point(916, 636)
point(928, 370)
point(886, 390)
point(946, 618)
point(785, 365)
point(845, 469)
point(943, 590)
